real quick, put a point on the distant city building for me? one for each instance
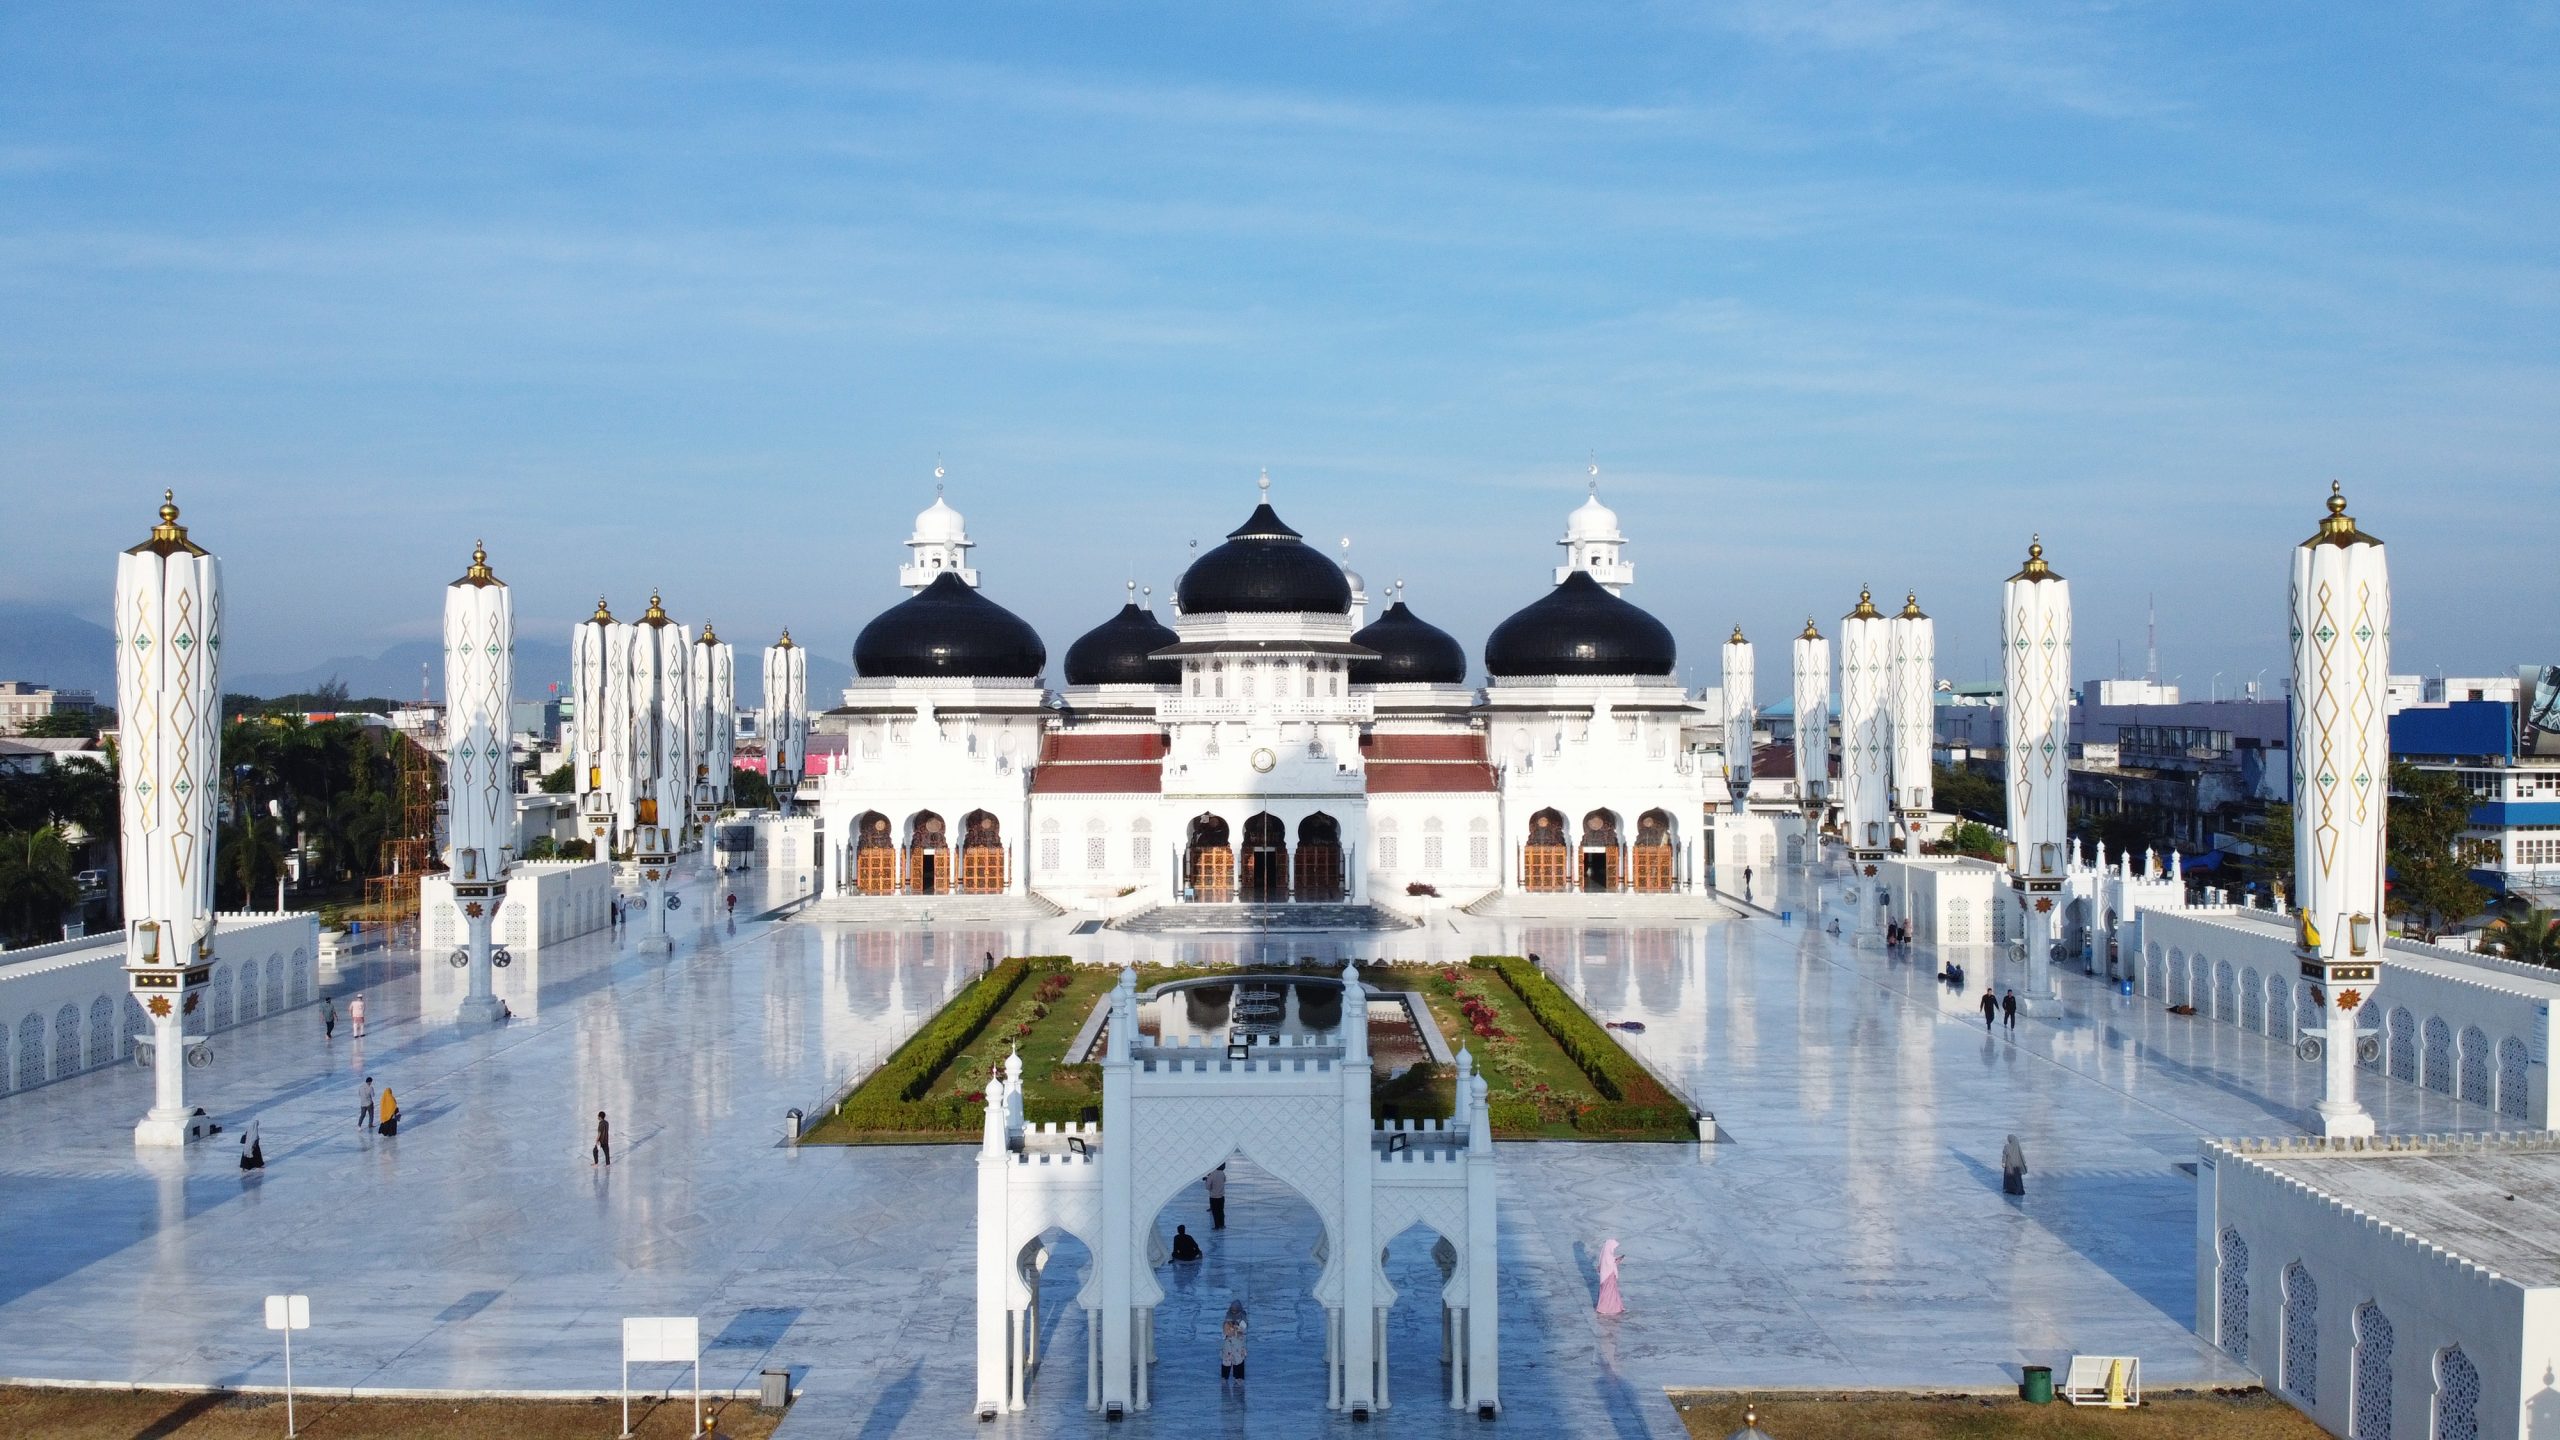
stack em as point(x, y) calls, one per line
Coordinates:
point(2513, 845)
point(2136, 692)
point(22, 704)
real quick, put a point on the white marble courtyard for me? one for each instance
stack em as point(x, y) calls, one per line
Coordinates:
point(1852, 1233)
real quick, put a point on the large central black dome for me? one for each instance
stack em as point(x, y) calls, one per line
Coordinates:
point(1579, 628)
point(948, 628)
point(1411, 651)
point(1115, 652)
point(1264, 568)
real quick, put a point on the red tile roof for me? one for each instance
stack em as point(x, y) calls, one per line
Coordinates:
point(1427, 764)
point(1109, 763)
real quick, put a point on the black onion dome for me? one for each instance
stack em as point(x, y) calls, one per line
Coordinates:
point(1116, 652)
point(1579, 628)
point(948, 628)
point(1264, 568)
point(1411, 651)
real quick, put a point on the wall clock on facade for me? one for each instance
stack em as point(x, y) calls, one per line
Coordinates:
point(1263, 760)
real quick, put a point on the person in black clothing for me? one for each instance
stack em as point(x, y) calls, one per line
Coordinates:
point(603, 1150)
point(1990, 1007)
point(2009, 1008)
point(1185, 1245)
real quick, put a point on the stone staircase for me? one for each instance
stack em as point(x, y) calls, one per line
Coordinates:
point(846, 909)
point(1609, 906)
point(1195, 919)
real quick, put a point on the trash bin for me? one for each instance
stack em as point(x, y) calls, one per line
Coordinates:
point(791, 1124)
point(2038, 1389)
point(776, 1392)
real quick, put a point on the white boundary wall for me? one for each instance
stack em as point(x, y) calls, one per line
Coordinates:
point(547, 901)
point(64, 1007)
point(2325, 1352)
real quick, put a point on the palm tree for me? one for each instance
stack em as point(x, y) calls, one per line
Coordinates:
point(2533, 937)
point(37, 885)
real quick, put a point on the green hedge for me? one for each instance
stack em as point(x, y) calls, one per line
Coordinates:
point(1513, 1117)
point(1610, 1069)
point(1617, 1119)
point(910, 1073)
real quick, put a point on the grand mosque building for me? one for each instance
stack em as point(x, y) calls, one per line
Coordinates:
point(1271, 743)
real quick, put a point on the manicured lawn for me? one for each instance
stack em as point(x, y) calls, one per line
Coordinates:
point(1535, 1087)
point(125, 1414)
point(2241, 1415)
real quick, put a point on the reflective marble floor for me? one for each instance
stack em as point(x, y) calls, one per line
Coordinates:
point(1851, 1233)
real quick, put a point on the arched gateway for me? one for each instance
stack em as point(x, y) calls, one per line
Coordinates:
point(1300, 1109)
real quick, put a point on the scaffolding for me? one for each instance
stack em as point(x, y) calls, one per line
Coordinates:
point(409, 849)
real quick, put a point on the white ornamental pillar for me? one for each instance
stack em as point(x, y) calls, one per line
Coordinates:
point(2035, 643)
point(599, 667)
point(1119, 1259)
point(480, 791)
point(1866, 760)
point(169, 722)
point(1915, 717)
point(713, 689)
point(1360, 1348)
point(786, 718)
point(661, 760)
point(2341, 787)
point(1813, 733)
point(996, 1354)
point(1741, 711)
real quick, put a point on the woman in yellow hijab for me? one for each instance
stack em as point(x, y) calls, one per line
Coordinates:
point(389, 1124)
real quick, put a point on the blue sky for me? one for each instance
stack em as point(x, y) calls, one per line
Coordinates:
point(1837, 293)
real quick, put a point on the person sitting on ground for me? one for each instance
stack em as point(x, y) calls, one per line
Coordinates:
point(1185, 1245)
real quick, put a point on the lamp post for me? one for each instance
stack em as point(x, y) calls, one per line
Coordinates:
point(168, 702)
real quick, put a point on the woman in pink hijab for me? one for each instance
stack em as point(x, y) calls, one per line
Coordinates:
point(1610, 1304)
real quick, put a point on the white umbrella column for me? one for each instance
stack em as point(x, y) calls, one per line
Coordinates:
point(1866, 760)
point(600, 752)
point(2035, 644)
point(1741, 710)
point(786, 718)
point(169, 764)
point(480, 791)
point(1813, 733)
point(661, 759)
point(2341, 787)
point(1914, 699)
point(714, 691)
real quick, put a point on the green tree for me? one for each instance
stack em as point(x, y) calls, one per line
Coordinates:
point(1970, 794)
point(2533, 937)
point(2431, 886)
point(62, 725)
point(556, 782)
point(37, 885)
point(750, 789)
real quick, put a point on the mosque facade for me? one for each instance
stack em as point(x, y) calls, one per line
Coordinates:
point(1268, 741)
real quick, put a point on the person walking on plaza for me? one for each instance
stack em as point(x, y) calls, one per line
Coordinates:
point(1611, 1303)
point(1216, 1180)
point(364, 1112)
point(2013, 1168)
point(1231, 1343)
point(355, 1017)
point(388, 1123)
point(602, 1151)
point(1990, 1007)
point(2009, 1007)
point(328, 1018)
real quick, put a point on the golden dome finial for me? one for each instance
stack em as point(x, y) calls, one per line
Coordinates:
point(708, 637)
point(1866, 606)
point(1911, 607)
point(1737, 636)
point(481, 574)
point(657, 612)
point(1810, 633)
point(2338, 527)
point(2035, 568)
point(168, 537)
point(602, 615)
point(785, 642)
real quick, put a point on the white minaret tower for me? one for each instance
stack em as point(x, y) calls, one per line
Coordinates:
point(786, 718)
point(1866, 751)
point(600, 735)
point(1592, 542)
point(1914, 699)
point(940, 543)
point(1813, 732)
point(2035, 643)
point(1359, 588)
point(713, 688)
point(661, 759)
point(479, 776)
point(1741, 710)
point(2341, 769)
point(169, 773)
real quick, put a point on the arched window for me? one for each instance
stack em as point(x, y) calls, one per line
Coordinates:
point(1959, 922)
point(2179, 991)
point(300, 974)
point(2515, 1093)
point(2439, 1055)
point(2226, 993)
point(102, 1031)
point(1049, 858)
point(4, 1059)
point(2279, 1013)
point(1387, 843)
point(1479, 844)
point(275, 976)
point(2457, 1396)
point(2233, 1287)
point(2404, 1045)
point(66, 1042)
point(223, 982)
point(1142, 843)
point(2475, 1065)
point(2369, 1412)
point(2306, 1007)
point(2301, 1335)
point(1432, 852)
point(2253, 1001)
point(1097, 845)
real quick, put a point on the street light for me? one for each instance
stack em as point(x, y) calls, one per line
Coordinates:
point(2217, 685)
